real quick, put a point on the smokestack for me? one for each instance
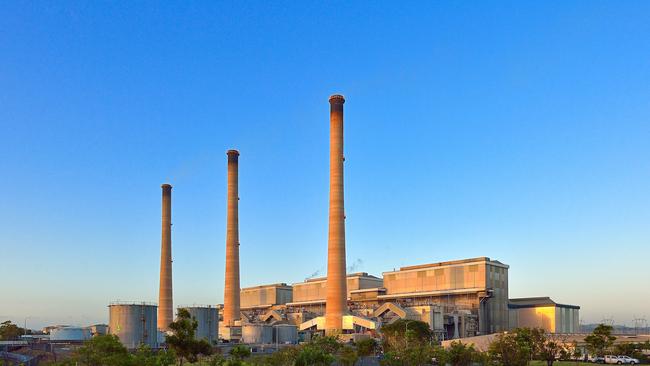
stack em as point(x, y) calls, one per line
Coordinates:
point(336, 305)
point(165, 300)
point(231, 292)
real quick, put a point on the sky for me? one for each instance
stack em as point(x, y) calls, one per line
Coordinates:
point(516, 131)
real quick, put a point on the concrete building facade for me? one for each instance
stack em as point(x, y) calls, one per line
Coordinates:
point(266, 296)
point(314, 291)
point(477, 285)
point(457, 299)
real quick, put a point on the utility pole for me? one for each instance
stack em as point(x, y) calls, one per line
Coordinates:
point(639, 323)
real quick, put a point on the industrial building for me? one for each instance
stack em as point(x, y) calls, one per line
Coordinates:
point(311, 294)
point(461, 298)
point(458, 299)
point(473, 290)
point(265, 296)
point(542, 312)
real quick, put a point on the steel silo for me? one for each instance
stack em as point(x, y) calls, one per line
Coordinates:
point(134, 323)
point(207, 318)
point(257, 334)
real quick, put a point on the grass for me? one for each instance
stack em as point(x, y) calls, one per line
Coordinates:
point(560, 363)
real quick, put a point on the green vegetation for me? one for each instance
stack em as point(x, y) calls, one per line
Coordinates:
point(404, 333)
point(108, 351)
point(509, 349)
point(182, 341)
point(365, 348)
point(405, 343)
point(10, 331)
point(459, 354)
point(557, 363)
point(600, 340)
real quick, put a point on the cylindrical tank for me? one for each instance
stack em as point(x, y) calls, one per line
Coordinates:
point(285, 334)
point(69, 334)
point(134, 323)
point(98, 329)
point(257, 334)
point(207, 318)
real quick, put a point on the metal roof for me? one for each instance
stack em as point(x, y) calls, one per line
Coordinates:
point(534, 302)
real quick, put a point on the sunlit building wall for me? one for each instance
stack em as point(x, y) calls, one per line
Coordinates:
point(479, 285)
point(266, 295)
point(314, 290)
point(542, 312)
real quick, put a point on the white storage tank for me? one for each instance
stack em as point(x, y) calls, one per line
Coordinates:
point(207, 318)
point(285, 334)
point(257, 334)
point(69, 334)
point(134, 323)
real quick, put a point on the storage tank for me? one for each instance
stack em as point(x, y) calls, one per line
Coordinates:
point(286, 334)
point(207, 318)
point(98, 329)
point(69, 334)
point(134, 323)
point(257, 334)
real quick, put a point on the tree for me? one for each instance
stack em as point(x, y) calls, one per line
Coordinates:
point(347, 356)
point(10, 331)
point(105, 350)
point(182, 339)
point(404, 333)
point(328, 344)
point(240, 352)
point(312, 355)
point(144, 356)
point(508, 350)
point(460, 354)
point(283, 357)
point(550, 351)
point(366, 347)
point(576, 353)
point(413, 355)
point(531, 338)
point(216, 360)
point(600, 339)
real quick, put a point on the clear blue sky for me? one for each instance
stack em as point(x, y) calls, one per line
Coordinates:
point(515, 131)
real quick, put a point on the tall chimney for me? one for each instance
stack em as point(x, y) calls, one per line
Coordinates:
point(165, 300)
point(336, 305)
point(231, 293)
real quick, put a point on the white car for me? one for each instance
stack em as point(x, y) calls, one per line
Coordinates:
point(628, 360)
point(613, 360)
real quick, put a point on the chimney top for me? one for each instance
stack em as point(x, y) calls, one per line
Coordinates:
point(166, 186)
point(337, 98)
point(233, 152)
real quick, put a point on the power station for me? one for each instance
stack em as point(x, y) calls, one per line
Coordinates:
point(457, 299)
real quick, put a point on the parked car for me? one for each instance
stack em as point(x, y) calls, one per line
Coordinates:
point(628, 360)
point(596, 359)
point(611, 359)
